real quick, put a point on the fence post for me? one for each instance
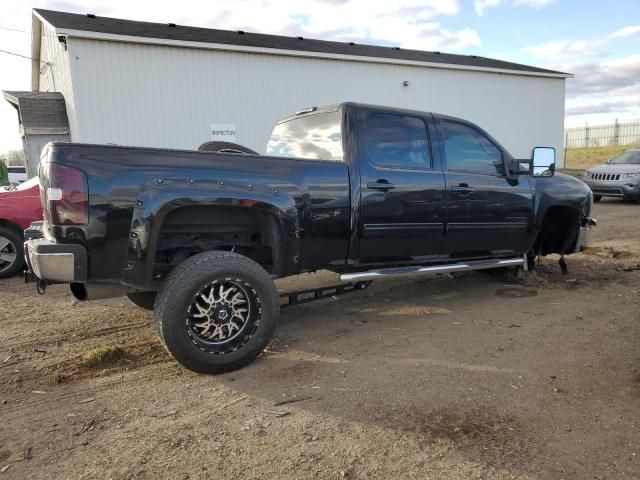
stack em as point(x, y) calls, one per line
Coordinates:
point(566, 144)
point(612, 134)
point(586, 134)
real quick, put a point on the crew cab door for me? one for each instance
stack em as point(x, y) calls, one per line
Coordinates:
point(401, 188)
point(488, 212)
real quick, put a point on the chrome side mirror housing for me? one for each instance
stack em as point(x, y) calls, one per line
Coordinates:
point(543, 161)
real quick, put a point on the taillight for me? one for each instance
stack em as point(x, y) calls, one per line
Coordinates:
point(67, 196)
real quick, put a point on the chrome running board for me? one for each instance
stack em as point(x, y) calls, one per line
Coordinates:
point(451, 267)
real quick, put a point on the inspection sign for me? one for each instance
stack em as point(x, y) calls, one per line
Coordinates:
point(223, 132)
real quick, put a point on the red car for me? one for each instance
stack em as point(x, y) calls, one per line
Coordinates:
point(19, 206)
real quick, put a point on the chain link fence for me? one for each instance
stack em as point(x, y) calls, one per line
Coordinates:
point(613, 134)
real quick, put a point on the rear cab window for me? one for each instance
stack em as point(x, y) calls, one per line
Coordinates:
point(316, 136)
point(396, 141)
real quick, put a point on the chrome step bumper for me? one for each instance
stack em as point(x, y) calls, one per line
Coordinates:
point(451, 267)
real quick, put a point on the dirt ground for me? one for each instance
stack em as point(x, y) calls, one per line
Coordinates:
point(481, 376)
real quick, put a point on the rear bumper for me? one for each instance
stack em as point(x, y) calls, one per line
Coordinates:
point(56, 262)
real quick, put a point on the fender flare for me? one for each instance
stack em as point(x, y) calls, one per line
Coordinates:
point(152, 210)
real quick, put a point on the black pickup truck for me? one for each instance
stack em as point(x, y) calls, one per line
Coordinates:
point(366, 191)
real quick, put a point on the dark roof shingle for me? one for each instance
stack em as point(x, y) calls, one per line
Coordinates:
point(40, 110)
point(74, 21)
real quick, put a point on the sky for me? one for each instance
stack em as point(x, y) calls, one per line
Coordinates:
point(597, 41)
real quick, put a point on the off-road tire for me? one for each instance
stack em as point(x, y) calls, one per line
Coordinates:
point(16, 241)
point(145, 300)
point(176, 298)
point(225, 147)
point(597, 198)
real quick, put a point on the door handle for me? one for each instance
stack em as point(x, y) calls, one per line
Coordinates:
point(463, 189)
point(381, 185)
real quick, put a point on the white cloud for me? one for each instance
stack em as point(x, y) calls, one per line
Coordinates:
point(603, 91)
point(621, 105)
point(603, 88)
point(424, 36)
point(605, 79)
point(533, 3)
point(626, 31)
point(557, 50)
point(482, 6)
point(561, 49)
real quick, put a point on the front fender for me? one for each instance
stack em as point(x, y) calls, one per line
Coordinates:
point(560, 191)
point(573, 197)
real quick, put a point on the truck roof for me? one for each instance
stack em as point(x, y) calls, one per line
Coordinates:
point(334, 107)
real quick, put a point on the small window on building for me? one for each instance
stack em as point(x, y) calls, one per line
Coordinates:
point(396, 141)
point(468, 150)
point(317, 137)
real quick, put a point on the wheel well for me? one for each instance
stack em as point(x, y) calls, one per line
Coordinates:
point(559, 230)
point(10, 225)
point(187, 231)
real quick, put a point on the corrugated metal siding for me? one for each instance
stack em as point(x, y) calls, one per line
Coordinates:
point(168, 97)
point(56, 76)
point(33, 150)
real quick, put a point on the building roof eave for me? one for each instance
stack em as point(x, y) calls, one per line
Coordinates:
point(296, 53)
point(113, 29)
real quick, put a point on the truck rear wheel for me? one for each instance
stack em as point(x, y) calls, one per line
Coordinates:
point(216, 312)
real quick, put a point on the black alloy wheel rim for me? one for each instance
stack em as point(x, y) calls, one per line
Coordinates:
point(8, 254)
point(223, 315)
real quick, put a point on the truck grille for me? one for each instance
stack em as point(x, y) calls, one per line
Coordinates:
point(611, 177)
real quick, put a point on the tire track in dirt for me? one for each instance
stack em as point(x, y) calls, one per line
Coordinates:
point(55, 399)
point(65, 336)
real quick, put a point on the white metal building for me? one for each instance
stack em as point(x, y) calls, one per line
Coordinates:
point(162, 85)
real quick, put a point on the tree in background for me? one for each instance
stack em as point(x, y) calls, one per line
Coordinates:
point(13, 158)
point(4, 174)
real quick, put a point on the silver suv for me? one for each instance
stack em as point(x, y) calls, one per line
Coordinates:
point(619, 177)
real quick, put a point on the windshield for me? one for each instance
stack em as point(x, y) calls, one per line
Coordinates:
point(630, 156)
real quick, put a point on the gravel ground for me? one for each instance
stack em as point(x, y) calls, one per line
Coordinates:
point(479, 376)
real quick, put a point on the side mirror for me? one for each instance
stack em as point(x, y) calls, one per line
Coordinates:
point(543, 161)
point(520, 167)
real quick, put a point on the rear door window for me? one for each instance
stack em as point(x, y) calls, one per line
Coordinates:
point(317, 136)
point(397, 141)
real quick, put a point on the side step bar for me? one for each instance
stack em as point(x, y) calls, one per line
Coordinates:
point(289, 299)
point(451, 267)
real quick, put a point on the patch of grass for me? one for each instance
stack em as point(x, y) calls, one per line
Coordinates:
point(103, 355)
point(583, 158)
point(106, 360)
point(4, 454)
point(574, 172)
